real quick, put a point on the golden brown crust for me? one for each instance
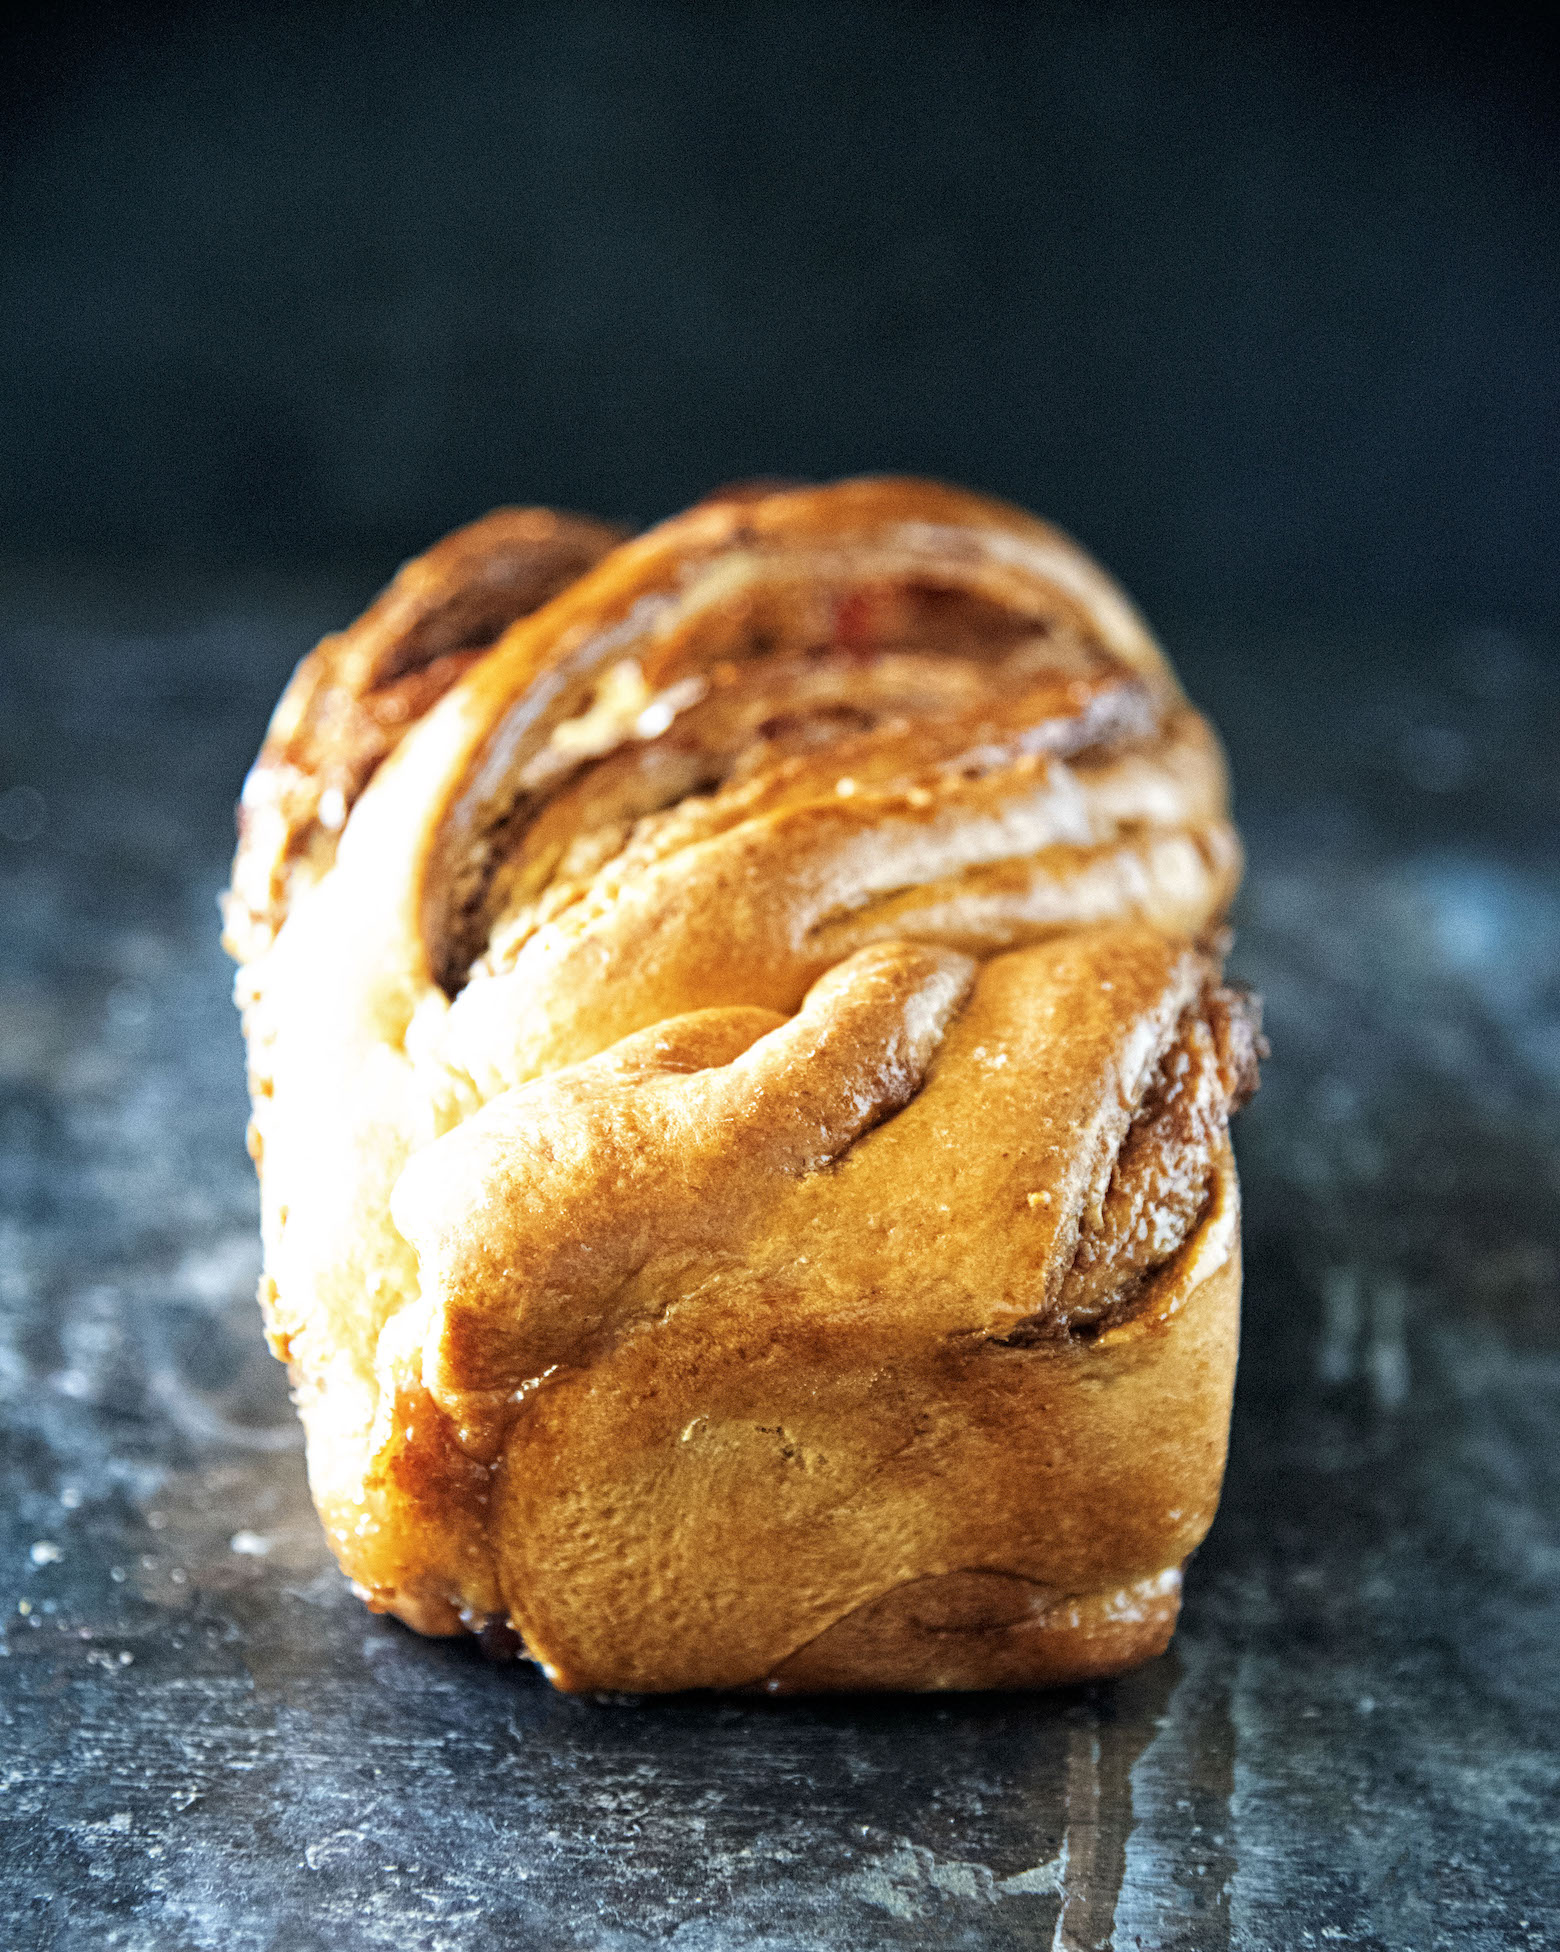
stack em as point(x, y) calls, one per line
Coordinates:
point(356, 695)
point(980, 1629)
point(746, 1082)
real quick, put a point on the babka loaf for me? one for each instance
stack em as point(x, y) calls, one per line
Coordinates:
point(741, 1082)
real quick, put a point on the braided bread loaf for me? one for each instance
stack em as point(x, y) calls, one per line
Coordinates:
point(742, 1111)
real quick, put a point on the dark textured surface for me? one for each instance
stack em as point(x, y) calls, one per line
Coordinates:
point(209, 1744)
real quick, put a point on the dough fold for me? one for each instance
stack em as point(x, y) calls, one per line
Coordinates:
point(741, 1079)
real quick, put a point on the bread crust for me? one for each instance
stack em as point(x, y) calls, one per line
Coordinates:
point(702, 1102)
point(359, 692)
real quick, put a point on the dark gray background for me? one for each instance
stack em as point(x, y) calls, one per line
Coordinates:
point(1263, 302)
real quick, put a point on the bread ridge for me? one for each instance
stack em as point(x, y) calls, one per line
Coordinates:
point(959, 966)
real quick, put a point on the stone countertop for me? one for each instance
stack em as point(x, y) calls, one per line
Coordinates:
point(208, 1743)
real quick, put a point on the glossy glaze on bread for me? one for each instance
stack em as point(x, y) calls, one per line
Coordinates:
point(742, 1111)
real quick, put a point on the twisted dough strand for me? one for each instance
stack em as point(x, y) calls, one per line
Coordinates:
point(792, 944)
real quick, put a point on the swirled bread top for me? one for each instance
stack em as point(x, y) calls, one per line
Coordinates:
point(816, 867)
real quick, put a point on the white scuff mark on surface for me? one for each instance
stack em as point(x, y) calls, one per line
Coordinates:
point(907, 1880)
point(221, 1273)
point(1365, 1334)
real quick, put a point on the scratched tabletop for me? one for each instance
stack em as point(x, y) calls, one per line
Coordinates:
point(208, 1743)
